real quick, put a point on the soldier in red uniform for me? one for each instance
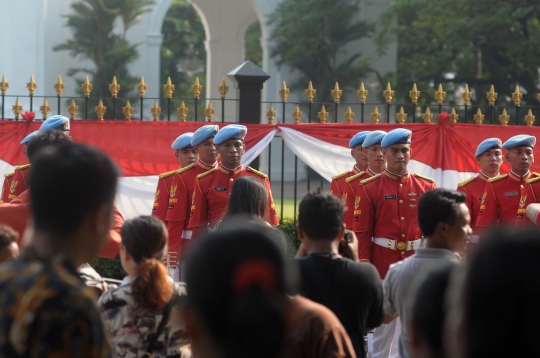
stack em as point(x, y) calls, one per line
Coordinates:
point(372, 149)
point(186, 155)
point(182, 188)
point(489, 156)
point(212, 189)
point(337, 186)
point(505, 195)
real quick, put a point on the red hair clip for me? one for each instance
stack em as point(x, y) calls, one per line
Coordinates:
point(255, 272)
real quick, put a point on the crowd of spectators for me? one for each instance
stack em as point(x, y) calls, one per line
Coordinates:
point(245, 295)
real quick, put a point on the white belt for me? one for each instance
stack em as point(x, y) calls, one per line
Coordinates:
point(475, 239)
point(395, 245)
point(186, 234)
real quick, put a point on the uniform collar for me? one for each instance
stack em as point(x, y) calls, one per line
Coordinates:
point(371, 172)
point(205, 166)
point(231, 171)
point(516, 177)
point(355, 169)
point(395, 176)
point(484, 177)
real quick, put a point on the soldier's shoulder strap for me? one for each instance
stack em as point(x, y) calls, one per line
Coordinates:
point(22, 167)
point(341, 175)
point(533, 180)
point(166, 175)
point(467, 181)
point(354, 177)
point(206, 173)
point(8, 175)
point(369, 180)
point(261, 174)
point(430, 180)
point(497, 178)
point(184, 169)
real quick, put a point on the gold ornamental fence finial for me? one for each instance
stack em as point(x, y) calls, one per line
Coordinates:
point(196, 89)
point(297, 115)
point(454, 117)
point(17, 108)
point(142, 87)
point(323, 115)
point(310, 92)
point(182, 112)
point(114, 87)
point(32, 85)
point(375, 116)
point(87, 87)
point(427, 117)
point(478, 117)
point(349, 115)
point(155, 110)
point(362, 93)
point(100, 110)
point(45, 108)
point(492, 95)
point(168, 88)
point(223, 89)
point(127, 111)
point(336, 93)
point(4, 85)
point(271, 114)
point(209, 112)
point(59, 86)
point(388, 93)
point(73, 109)
point(414, 94)
point(284, 92)
point(401, 117)
point(466, 95)
point(529, 118)
point(504, 118)
point(440, 95)
point(517, 96)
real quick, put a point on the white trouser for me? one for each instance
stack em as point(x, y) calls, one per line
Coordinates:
point(386, 340)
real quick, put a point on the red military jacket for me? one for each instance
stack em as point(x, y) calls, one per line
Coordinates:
point(161, 200)
point(531, 194)
point(211, 195)
point(387, 208)
point(474, 189)
point(503, 196)
point(350, 195)
point(337, 186)
point(5, 187)
point(15, 183)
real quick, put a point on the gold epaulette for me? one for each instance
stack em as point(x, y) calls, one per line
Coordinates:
point(166, 175)
point(466, 181)
point(356, 176)
point(425, 178)
point(261, 174)
point(184, 169)
point(533, 180)
point(368, 180)
point(7, 175)
point(497, 178)
point(335, 177)
point(22, 167)
point(535, 174)
point(206, 173)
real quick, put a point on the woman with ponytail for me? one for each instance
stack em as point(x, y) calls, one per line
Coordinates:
point(141, 316)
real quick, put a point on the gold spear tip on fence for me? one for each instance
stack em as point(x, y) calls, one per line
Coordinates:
point(375, 116)
point(127, 111)
point(168, 88)
point(182, 112)
point(427, 117)
point(223, 89)
point(401, 116)
point(478, 117)
point(209, 112)
point(323, 115)
point(114, 87)
point(59, 86)
point(310, 92)
point(414, 94)
point(142, 81)
point(336, 93)
point(155, 110)
point(504, 118)
point(196, 88)
point(284, 92)
point(491, 95)
point(453, 116)
point(362, 93)
point(45, 108)
point(100, 110)
point(17, 108)
point(517, 96)
point(349, 115)
point(388, 93)
point(4, 85)
point(466, 95)
point(32, 85)
point(87, 87)
point(440, 95)
point(73, 109)
point(60, 80)
point(297, 115)
point(529, 118)
point(271, 114)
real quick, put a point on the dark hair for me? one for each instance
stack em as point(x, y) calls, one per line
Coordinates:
point(429, 307)
point(249, 198)
point(52, 137)
point(68, 184)
point(438, 205)
point(7, 236)
point(500, 298)
point(321, 216)
point(145, 238)
point(237, 284)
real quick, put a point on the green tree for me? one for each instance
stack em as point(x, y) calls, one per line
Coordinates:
point(310, 36)
point(253, 43)
point(94, 39)
point(457, 42)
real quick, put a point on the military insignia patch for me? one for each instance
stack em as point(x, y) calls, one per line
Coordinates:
point(157, 194)
point(483, 197)
point(173, 190)
point(522, 200)
point(532, 142)
point(356, 202)
point(13, 186)
point(412, 194)
point(241, 133)
point(344, 197)
point(66, 125)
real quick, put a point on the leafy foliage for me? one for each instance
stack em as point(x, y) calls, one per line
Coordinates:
point(253, 43)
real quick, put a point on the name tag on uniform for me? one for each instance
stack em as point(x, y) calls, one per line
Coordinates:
point(390, 197)
point(511, 193)
point(225, 189)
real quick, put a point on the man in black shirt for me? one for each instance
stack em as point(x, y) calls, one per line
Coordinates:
point(352, 290)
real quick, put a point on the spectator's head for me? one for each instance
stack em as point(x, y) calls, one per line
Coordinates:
point(72, 191)
point(321, 217)
point(444, 219)
point(144, 244)
point(237, 280)
point(429, 312)
point(40, 140)
point(498, 314)
point(8, 244)
point(249, 198)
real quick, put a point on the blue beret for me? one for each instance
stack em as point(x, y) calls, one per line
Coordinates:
point(521, 140)
point(490, 143)
point(28, 137)
point(55, 122)
point(182, 141)
point(232, 131)
point(374, 137)
point(203, 133)
point(358, 139)
point(397, 136)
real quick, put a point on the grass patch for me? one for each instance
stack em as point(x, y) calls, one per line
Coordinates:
point(288, 208)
